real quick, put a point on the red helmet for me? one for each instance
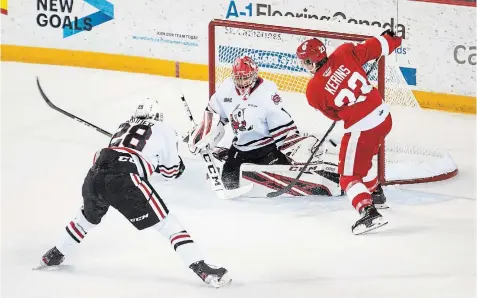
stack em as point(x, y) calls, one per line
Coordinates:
point(311, 52)
point(244, 73)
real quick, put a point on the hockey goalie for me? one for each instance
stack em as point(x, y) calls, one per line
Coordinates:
point(267, 149)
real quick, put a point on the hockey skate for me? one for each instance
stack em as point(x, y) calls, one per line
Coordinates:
point(52, 257)
point(216, 277)
point(370, 220)
point(379, 199)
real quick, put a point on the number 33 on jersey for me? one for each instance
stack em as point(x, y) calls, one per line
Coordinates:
point(341, 90)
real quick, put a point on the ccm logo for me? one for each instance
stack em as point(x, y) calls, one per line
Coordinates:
point(139, 218)
point(126, 158)
point(213, 174)
point(295, 168)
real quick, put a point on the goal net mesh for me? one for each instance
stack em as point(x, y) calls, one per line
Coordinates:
point(403, 160)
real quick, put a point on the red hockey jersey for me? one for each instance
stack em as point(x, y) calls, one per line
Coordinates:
point(340, 88)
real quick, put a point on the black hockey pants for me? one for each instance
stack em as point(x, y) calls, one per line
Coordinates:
point(114, 181)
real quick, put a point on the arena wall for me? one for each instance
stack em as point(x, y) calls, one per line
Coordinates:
point(170, 38)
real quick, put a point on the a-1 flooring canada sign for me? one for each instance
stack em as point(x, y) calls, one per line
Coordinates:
point(273, 10)
point(59, 14)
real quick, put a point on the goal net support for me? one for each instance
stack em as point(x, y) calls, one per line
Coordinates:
point(402, 160)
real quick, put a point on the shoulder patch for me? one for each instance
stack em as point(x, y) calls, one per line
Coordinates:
point(276, 98)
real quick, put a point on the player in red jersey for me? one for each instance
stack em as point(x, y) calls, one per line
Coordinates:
point(341, 90)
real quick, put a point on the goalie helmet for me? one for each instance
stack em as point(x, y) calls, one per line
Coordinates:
point(244, 73)
point(312, 54)
point(149, 109)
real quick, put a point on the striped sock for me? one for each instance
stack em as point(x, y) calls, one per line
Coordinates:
point(359, 195)
point(75, 231)
point(180, 239)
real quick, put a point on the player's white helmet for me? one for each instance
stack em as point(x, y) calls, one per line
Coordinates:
point(149, 109)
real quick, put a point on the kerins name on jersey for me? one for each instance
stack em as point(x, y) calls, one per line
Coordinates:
point(336, 78)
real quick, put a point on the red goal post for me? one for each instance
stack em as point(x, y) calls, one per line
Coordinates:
point(396, 164)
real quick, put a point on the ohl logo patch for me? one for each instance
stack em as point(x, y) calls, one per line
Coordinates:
point(59, 14)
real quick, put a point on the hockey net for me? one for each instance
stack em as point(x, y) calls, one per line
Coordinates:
point(402, 160)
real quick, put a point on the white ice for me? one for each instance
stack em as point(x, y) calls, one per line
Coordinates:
point(287, 247)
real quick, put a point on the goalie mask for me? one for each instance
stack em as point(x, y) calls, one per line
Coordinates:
point(312, 55)
point(149, 109)
point(244, 74)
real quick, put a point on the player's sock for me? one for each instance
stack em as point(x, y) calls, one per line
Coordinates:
point(371, 184)
point(74, 233)
point(71, 237)
point(181, 241)
point(359, 195)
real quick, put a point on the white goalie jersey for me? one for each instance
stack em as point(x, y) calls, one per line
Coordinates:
point(256, 120)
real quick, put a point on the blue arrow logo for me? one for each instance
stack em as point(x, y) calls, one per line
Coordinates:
point(105, 13)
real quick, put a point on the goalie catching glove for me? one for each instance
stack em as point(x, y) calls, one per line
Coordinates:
point(208, 134)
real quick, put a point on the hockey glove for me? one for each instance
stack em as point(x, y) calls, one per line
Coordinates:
point(389, 32)
point(208, 134)
point(181, 168)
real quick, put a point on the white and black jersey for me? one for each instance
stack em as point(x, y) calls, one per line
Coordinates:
point(152, 146)
point(257, 119)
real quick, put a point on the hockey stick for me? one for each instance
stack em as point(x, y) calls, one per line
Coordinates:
point(48, 101)
point(305, 166)
point(104, 132)
point(214, 176)
point(303, 169)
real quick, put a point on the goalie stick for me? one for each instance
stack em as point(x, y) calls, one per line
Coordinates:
point(214, 176)
point(305, 166)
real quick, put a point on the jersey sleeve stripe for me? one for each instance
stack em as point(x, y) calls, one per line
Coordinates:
point(281, 126)
point(284, 131)
point(280, 141)
point(384, 45)
point(267, 141)
point(168, 168)
point(168, 176)
point(254, 141)
point(170, 172)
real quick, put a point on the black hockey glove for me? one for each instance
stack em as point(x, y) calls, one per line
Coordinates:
point(389, 32)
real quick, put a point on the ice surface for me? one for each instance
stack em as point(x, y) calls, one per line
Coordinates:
point(272, 247)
